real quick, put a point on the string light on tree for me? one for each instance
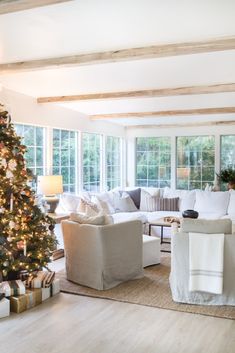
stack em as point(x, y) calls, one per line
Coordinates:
point(26, 234)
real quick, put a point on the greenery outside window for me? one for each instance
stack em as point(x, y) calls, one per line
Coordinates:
point(227, 152)
point(195, 162)
point(33, 138)
point(65, 157)
point(113, 162)
point(91, 161)
point(153, 161)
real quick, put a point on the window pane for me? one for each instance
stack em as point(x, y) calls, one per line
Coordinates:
point(195, 161)
point(113, 162)
point(227, 157)
point(153, 161)
point(33, 138)
point(91, 161)
point(64, 157)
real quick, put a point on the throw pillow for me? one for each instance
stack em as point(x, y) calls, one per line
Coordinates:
point(124, 203)
point(167, 204)
point(98, 219)
point(187, 198)
point(209, 201)
point(135, 196)
point(69, 202)
point(105, 202)
point(88, 207)
point(148, 202)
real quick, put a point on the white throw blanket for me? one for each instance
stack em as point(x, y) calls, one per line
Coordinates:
point(206, 262)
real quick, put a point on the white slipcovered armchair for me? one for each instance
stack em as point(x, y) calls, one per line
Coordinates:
point(179, 277)
point(102, 257)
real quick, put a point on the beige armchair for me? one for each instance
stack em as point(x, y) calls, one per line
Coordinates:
point(179, 277)
point(101, 257)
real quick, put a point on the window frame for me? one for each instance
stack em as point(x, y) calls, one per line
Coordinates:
point(159, 180)
point(60, 166)
point(191, 166)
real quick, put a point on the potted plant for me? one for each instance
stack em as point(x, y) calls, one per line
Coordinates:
point(227, 176)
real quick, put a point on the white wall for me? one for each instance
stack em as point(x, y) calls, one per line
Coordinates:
point(132, 133)
point(24, 109)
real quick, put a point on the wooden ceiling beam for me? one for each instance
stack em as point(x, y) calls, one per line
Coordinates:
point(149, 93)
point(155, 51)
point(180, 112)
point(175, 126)
point(8, 6)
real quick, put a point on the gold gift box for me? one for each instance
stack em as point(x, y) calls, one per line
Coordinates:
point(31, 298)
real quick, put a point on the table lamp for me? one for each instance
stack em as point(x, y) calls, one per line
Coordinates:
point(50, 186)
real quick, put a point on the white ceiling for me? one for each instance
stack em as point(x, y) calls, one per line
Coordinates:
point(85, 26)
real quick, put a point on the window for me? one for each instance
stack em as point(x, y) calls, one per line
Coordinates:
point(65, 157)
point(91, 161)
point(227, 152)
point(113, 162)
point(153, 161)
point(195, 162)
point(33, 138)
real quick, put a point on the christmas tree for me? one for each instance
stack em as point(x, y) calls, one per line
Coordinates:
point(26, 234)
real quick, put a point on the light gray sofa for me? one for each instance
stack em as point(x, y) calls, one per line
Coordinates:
point(101, 257)
point(179, 276)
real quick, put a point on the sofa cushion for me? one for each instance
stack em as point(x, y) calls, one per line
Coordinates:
point(231, 205)
point(212, 202)
point(129, 216)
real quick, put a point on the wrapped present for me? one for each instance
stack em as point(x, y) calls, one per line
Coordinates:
point(52, 290)
point(31, 298)
point(4, 308)
point(10, 288)
point(42, 279)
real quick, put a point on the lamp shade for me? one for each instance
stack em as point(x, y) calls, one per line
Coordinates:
point(49, 185)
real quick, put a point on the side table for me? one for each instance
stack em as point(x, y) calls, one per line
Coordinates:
point(162, 224)
point(58, 217)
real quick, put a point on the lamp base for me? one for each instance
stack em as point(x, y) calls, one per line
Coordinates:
point(52, 202)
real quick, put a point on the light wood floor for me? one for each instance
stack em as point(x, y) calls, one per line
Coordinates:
point(74, 324)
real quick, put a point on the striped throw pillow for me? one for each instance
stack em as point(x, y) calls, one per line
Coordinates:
point(168, 204)
point(148, 202)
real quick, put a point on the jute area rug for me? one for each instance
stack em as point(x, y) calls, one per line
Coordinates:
point(151, 290)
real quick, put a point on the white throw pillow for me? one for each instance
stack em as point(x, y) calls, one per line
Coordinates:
point(84, 219)
point(152, 191)
point(88, 207)
point(231, 205)
point(124, 203)
point(105, 202)
point(213, 202)
point(187, 198)
point(69, 202)
point(98, 219)
point(148, 202)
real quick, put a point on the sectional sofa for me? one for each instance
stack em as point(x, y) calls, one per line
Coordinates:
point(209, 204)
